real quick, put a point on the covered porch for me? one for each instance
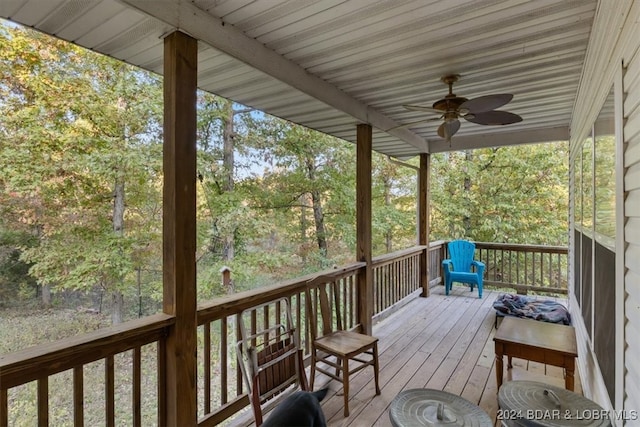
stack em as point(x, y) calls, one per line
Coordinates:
point(306, 64)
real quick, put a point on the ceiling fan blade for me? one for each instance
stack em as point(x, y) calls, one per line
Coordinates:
point(448, 129)
point(409, 125)
point(493, 118)
point(486, 103)
point(422, 108)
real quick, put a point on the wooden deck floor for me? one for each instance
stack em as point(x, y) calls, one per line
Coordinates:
point(441, 342)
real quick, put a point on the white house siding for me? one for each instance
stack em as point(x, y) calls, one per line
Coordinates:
point(631, 108)
point(614, 43)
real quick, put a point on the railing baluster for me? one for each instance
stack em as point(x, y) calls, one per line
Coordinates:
point(265, 319)
point(4, 407)
point(345, 291)
point(352, 299)
point(224, 352)
point(533, 268)
point(510, 267)
point(239, 383)
point(43, 401)
point(137, 387)
point(206, 355)
point(161, 350)
point(390, 291)
point(109, 391)
point(278, 316)
point(78, 396)
point(393, 290)
point(299, 321)
point(376, 289)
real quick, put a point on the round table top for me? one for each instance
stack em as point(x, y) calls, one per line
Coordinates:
point(428, 407)
point(535, 404)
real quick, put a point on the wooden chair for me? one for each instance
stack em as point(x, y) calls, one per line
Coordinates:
point(269, 356)
point(331, 344)
point(461, 267)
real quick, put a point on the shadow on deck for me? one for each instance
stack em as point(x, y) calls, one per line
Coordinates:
point(441, 342)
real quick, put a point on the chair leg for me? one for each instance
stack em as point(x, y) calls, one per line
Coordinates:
point(345, 386)
point(376, 368)
point(313, 369)
point(339, 367)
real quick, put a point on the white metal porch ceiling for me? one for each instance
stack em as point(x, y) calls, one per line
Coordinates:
point(330, 64)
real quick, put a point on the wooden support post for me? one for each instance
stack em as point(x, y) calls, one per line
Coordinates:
point(363, 226)
point(423, 220)
point(179, 227)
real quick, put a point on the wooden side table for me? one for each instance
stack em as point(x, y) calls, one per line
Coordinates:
point(543, 342)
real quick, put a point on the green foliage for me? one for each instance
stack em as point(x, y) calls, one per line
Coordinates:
point(511, 194)
point(75, 126)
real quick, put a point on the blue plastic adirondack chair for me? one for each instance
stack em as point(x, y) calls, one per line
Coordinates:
point(458, 268)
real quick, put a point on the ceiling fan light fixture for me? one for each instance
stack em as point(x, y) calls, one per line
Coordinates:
point(480, 110)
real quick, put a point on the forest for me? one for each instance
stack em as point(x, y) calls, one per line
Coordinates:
point(81, 189)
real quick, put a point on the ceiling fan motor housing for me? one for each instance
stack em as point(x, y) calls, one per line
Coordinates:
point(449, 103)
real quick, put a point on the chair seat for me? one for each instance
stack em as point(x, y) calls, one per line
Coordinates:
point(465, 277)
point(345, 343)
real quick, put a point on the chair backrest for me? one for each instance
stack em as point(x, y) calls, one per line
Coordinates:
point(461, 253)
point(269, 355)
point(324, 311)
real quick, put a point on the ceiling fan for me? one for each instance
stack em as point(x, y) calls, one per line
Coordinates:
point(481, 110)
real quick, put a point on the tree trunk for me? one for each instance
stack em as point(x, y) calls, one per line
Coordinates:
point(228, 164)
point(118, 229)
point(46, 295)
point(387, 203)
point(117, 307)
point(303, 226)
point(228, 159)
point(318, 216)
point(468, 156)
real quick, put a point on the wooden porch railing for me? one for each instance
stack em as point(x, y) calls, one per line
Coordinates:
point(38, 364)
point(525, 268)
point(396, 276)
point(396, 279)
point(221, 395)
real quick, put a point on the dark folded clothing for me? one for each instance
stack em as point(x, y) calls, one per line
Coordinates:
point(543, 310)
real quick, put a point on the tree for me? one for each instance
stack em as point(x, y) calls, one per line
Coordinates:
point(79, 129)
point(508, 194)
point(311, 171)
point(394, 205)
point(222, 129)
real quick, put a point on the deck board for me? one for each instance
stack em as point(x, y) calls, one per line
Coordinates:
point(441, 342)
